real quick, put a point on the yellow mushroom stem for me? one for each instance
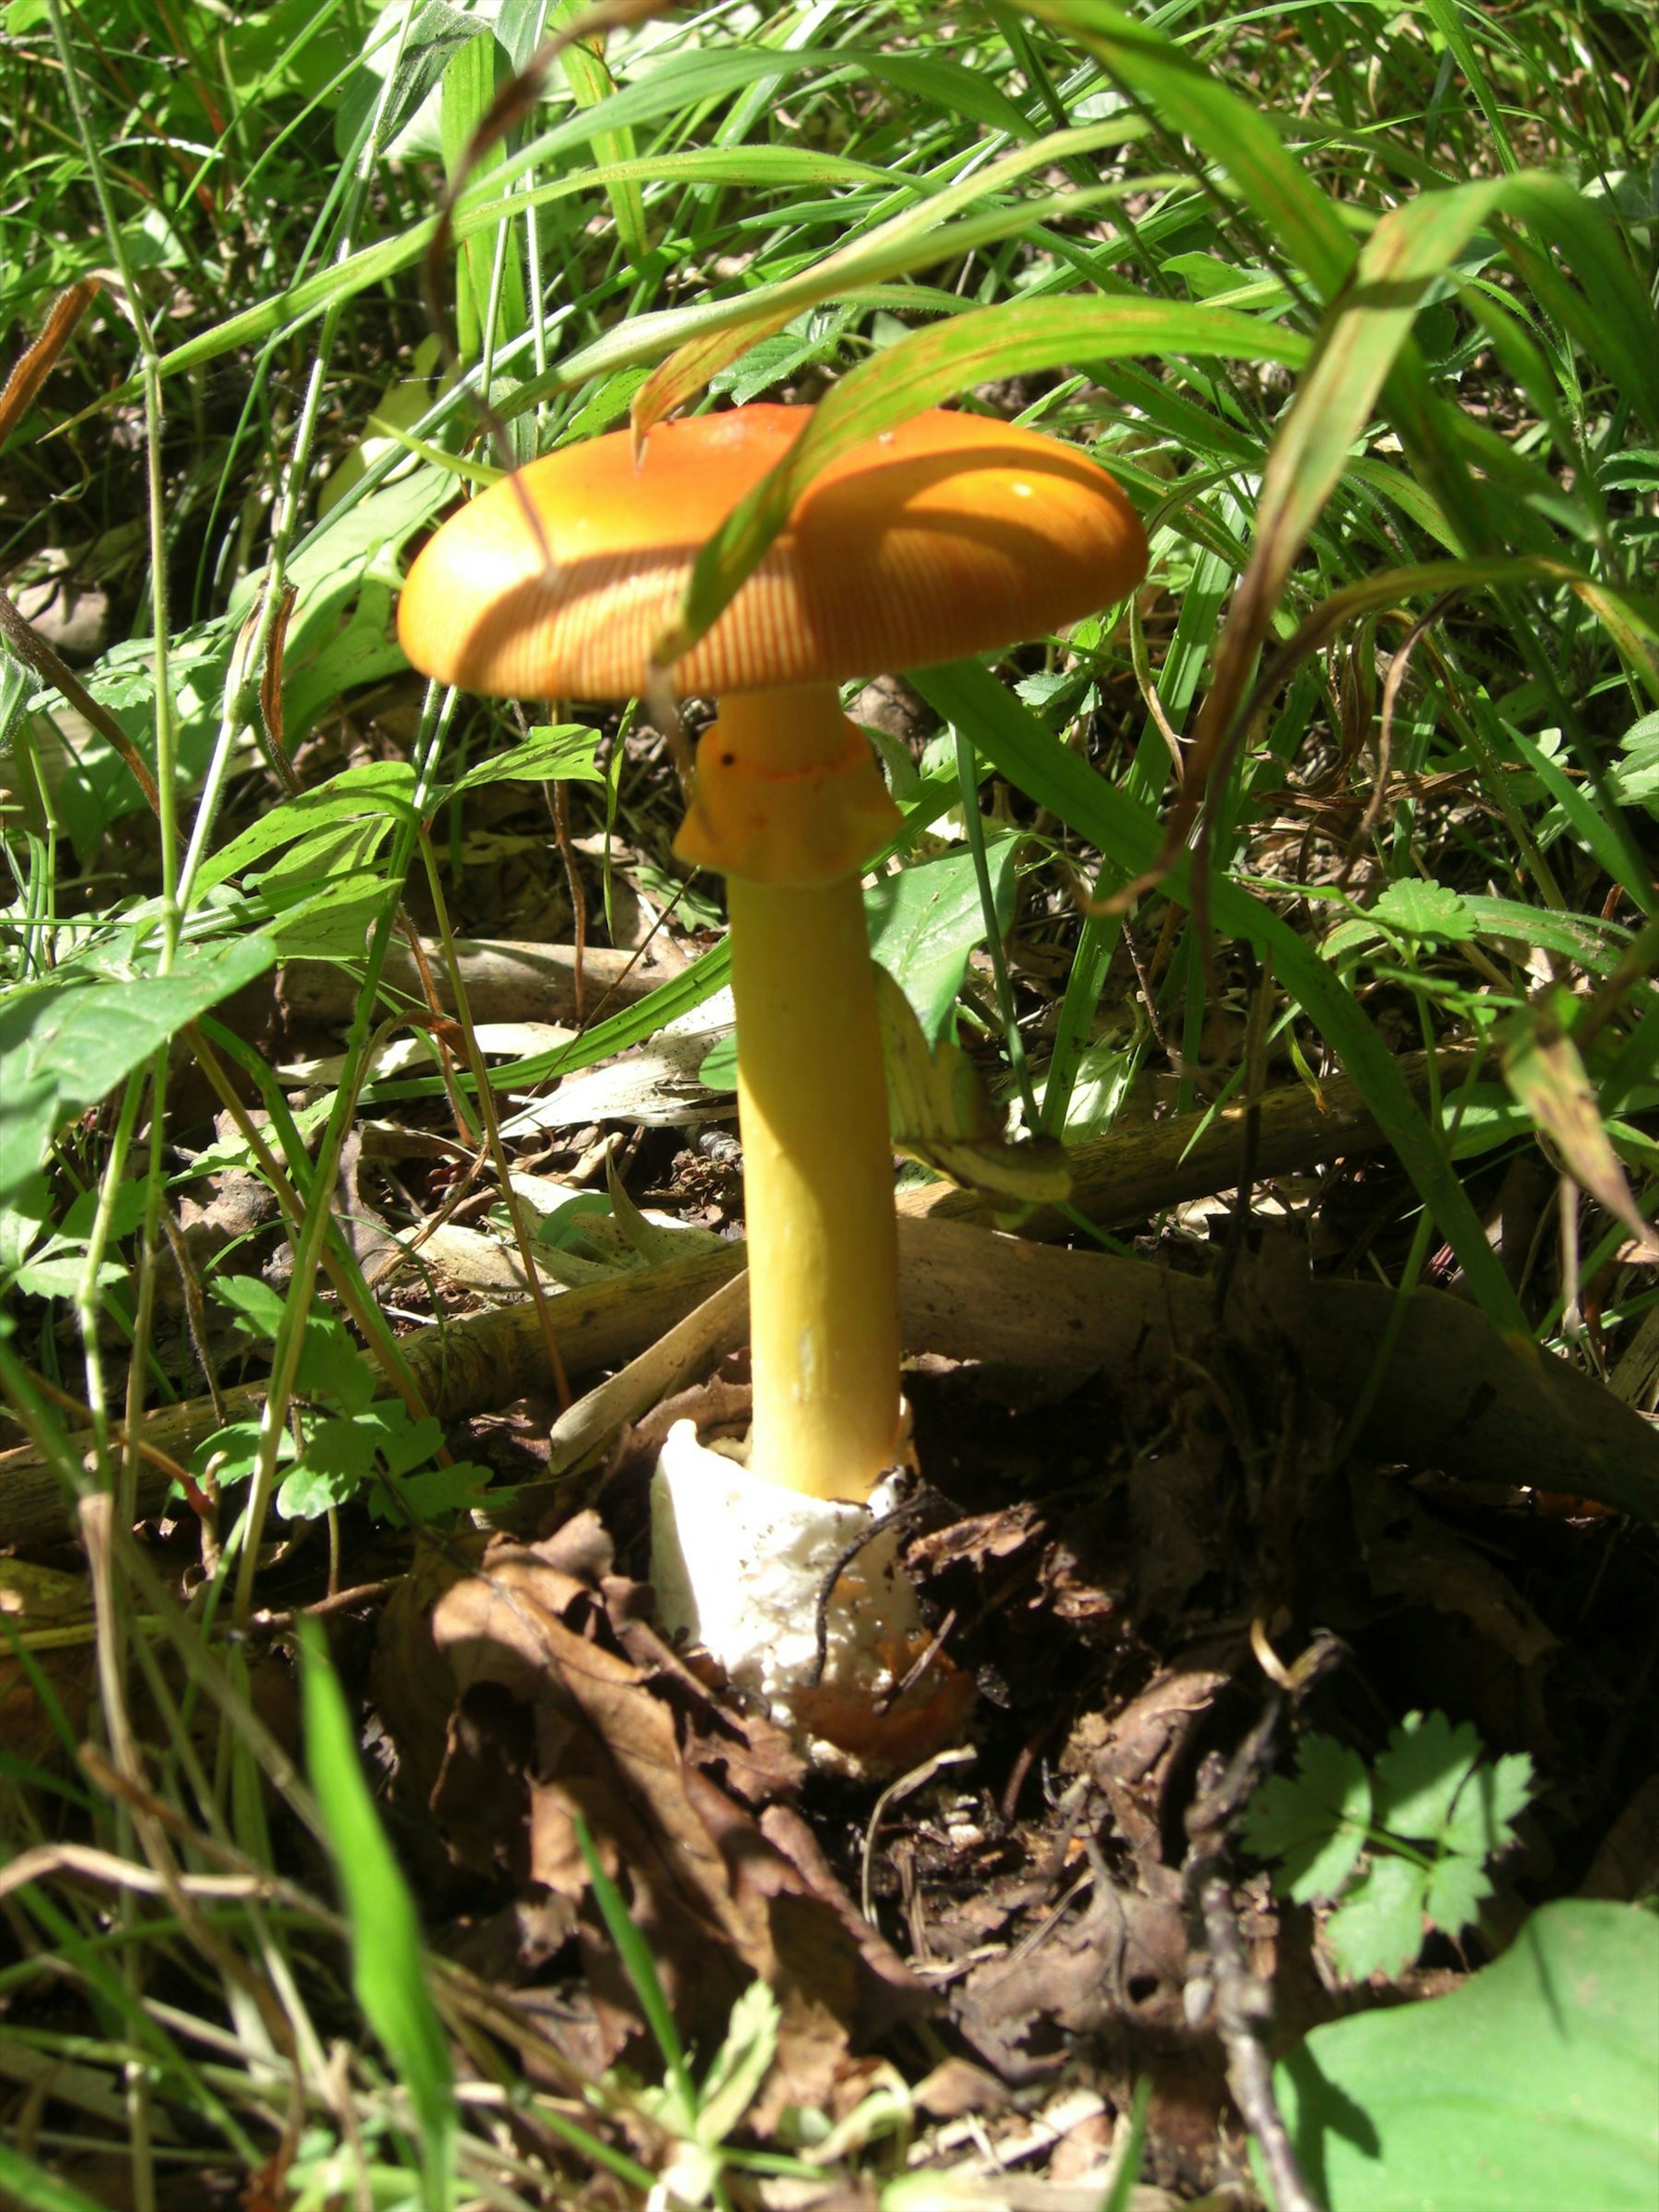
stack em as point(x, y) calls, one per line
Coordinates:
point(789, 804)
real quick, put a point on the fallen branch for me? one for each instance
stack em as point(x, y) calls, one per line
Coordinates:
point(1455, 1394)
point(504, 981)
point(1137, 1167)
point(1236, 2004)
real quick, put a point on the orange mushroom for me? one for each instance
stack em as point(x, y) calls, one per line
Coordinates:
point(951, 534)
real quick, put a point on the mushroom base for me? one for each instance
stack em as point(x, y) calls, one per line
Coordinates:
point(740, 1566)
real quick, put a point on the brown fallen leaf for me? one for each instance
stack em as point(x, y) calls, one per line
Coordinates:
point(1130, 1753)
point(1546, 1075)
point(1409, 1554)
point(616, 1733)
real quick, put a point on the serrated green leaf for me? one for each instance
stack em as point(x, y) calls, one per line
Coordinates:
point(1379, 1929)
point(1483, 1819)
point(1458, 1887)
point(434, 1493)
point(338, 1459)
point(1315, 1823)
point(259, 1307)
point(1426, 910)
point(1421, 1775)
point(403, 1445)
point(331, 1367)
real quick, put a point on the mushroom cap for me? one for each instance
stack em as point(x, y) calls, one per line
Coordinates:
point(950, 535)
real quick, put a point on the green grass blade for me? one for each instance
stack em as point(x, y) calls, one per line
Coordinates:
point(641, 1971)
point(760, 167)
point(1023, 751)
point(28, 2186)
point(1229, 129)
point(590, 83)
point(930, 365)
point(905, 241)
point(1447, 17)
point(386, 1944)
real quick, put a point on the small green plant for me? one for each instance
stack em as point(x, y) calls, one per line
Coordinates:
point(350, 1439)
point(1403, 1843)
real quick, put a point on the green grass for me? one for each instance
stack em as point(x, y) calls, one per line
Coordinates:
point(1358, 304)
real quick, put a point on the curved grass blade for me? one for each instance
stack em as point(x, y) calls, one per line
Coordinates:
point(930, 365)
point(32, 2187)
point(908, 241)
point(387, 1950)
point(1228, 130)
point(590, 82)
point(1631, 631)
point(1359, 345)
point(1023, 751)
point(759, 168)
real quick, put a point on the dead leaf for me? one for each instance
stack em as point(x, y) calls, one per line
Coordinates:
point(615, 1731)
point(1410, 1555)
point(1542, 1068)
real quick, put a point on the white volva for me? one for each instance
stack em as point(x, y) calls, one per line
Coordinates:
point(739, 1564)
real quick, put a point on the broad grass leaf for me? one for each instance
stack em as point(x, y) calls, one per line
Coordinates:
point(1530, 2088)
point(388, 1946)
point(925, 920)
point(908, 240)
point(66, 1044)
